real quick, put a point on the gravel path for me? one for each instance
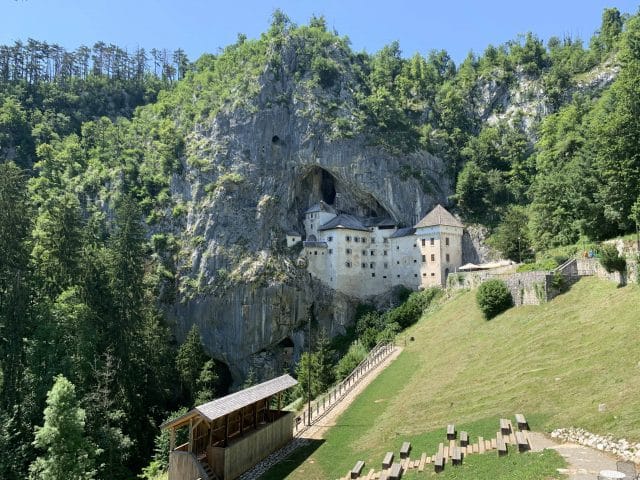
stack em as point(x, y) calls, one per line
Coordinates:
point(584, 462)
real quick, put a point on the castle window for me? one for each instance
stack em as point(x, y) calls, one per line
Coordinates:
point(348, 251)
point(330, 239)
point(397, 262)
point(373, 240)
point(386, 252)
point(447, 257)
point(364, 265)
point(330, 251)
point(446, 241)
point(348, 238)
point(424, 242)
point(384, 276)
point(386, 265)
point(373, 252)
point(433, 257)
point(316, 252)
point(311, 226)
point(415, 261)
point(364, 252)
point(432, 241)
point(433, 274)
point(356, 239)
point(372, 265)
point(397, 247)
point(373, 274)
point(414, 245)
point(347, 264)
point(398, 276)
point(424, 274)
point(415, 275)
point(385, 240)
point(424, 259)
point(364, 240)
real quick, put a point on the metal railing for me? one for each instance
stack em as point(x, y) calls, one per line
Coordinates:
point(325, 402)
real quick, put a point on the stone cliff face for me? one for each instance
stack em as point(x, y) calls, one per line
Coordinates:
point(254, 173)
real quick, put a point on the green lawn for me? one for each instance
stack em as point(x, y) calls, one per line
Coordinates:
point(555, 363)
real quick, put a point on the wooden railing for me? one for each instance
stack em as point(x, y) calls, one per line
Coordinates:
point(325, 402)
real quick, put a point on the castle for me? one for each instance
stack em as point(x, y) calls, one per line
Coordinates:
point(364, 257)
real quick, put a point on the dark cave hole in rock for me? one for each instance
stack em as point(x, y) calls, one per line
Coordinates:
point(275, 139)
point(319, 184)
point(224, 377)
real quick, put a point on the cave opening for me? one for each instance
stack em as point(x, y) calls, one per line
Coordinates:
point(225, 379)
point(318, 184)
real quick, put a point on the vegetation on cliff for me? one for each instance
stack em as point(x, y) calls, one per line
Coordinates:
point(93, 231)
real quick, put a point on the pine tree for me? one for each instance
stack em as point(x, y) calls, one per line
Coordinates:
point(68, 455)
point(207, 383)
point(189, 361)
point(324, 360)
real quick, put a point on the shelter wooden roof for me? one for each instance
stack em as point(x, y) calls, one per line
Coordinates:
point(235, 401)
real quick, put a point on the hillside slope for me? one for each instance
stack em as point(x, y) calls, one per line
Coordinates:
point(556, 363)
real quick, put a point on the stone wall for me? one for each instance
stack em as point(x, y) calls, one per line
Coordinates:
point(527, 288)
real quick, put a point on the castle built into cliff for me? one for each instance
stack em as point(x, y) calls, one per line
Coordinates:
point(369, 256)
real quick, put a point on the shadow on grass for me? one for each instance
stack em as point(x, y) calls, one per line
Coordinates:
point(292, 462)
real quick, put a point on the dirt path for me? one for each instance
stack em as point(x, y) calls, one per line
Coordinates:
point(318, 429)
point(584, 462)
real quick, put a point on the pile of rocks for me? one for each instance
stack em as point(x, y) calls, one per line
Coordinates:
point(623, 448)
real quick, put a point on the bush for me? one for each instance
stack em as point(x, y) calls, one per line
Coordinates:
point(493, 298)
point(611, 259)
point(356, 354)
point(411, 310)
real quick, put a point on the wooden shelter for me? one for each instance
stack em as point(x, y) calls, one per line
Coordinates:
point(229, 435)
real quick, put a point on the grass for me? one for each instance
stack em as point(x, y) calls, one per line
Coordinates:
point(555, 363)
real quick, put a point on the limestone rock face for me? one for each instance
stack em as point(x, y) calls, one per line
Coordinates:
point(250, 175)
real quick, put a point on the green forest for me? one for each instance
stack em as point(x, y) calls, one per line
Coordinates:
point(90, 140)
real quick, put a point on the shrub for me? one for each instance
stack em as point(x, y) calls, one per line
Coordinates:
point(356, 354)
point(493, 298)
point(611, 259)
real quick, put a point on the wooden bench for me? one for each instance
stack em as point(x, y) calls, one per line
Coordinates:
point(396, 472)
point(405, 449)
point(451, 432)
point(522, 441)
point(357, 469)
point(522, 422)
point(438, 463)
point(456, 457)
point(388, 460)
point(464, 439)
point(502, 447)
point(505, 428)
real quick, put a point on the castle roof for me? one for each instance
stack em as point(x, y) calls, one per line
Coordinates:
point(320, 207)
point(403, 232)
point(439, 216)
point(379, 222)
point(344, 221)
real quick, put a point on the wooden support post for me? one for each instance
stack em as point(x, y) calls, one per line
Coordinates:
point(279, 401)
point(226, 430)
point(255, 416)
point(190, 448)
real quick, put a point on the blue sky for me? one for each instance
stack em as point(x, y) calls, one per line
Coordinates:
point(200, 26)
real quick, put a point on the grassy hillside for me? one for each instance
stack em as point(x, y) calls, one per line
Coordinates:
point(556, 363)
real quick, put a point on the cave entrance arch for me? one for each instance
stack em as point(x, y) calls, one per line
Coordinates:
point(319, 184)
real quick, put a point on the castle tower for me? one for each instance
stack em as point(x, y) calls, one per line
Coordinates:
point(439, 238)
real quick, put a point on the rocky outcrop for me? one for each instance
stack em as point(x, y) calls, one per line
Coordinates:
point(249, 175)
